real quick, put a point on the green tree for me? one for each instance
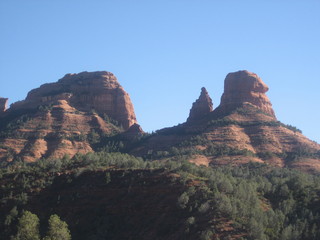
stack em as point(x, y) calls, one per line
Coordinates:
point(28, 227)
point(58, 229)
point(11, 216)
point(183, 200)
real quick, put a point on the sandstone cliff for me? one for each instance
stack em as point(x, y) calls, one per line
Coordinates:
point(65, 117)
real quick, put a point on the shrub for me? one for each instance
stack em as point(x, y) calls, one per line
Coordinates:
point(183, 200)
point(107, 177)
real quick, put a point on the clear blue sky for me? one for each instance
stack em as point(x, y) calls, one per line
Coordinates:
point(164, 51)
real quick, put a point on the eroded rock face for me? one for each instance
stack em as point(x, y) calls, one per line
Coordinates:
point(202, 106)
point(86, 91)
point(245, 87)
point(3, 104)
point(65, 118)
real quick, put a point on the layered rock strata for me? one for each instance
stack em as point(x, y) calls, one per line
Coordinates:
point(86, 91)
point(66, 117)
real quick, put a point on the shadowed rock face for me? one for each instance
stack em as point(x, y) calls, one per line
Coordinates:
point(86, 91)
point(202, 106)
point(3, 104)
point(245, 87)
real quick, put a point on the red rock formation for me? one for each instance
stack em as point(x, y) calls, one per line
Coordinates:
point(135, 129)
point(3, 104)
point(245, 87)
point(133, 132)
point(252, 133)
point(86, 91)
point(202, 106)
point(65, 117)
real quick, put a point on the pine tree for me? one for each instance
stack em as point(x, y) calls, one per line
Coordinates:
point(58, 229)
point(28, 227)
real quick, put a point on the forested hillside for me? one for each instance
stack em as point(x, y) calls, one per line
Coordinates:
point(117, 196)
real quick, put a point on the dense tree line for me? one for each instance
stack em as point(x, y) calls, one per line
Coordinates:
point(258, 201)
point(265, 202)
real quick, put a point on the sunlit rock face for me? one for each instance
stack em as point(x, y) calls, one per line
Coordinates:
point(86, 91)
point(245, 87)
point(67, 117)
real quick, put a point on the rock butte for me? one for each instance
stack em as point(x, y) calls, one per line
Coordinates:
point(86, 91)
point(245, 87)
point(64, 117)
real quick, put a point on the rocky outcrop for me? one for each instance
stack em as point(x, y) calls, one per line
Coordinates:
point(87, 91)
point(134, 132)
point(3, 104)
point(244, 87)
point(135, 129)
point(201, 107)
point(79, 114)
point(242, 129)
point(66, 117)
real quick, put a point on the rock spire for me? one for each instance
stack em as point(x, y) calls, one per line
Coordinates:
point(202, 106)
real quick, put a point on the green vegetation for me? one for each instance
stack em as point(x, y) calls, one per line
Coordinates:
point(28, 227)
point(269, 203)
point(221, 122)
point(8, 127)
point(255, 201)
point(250, 109)
point(45, 108)
point(188, 148)
point(58, 229)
